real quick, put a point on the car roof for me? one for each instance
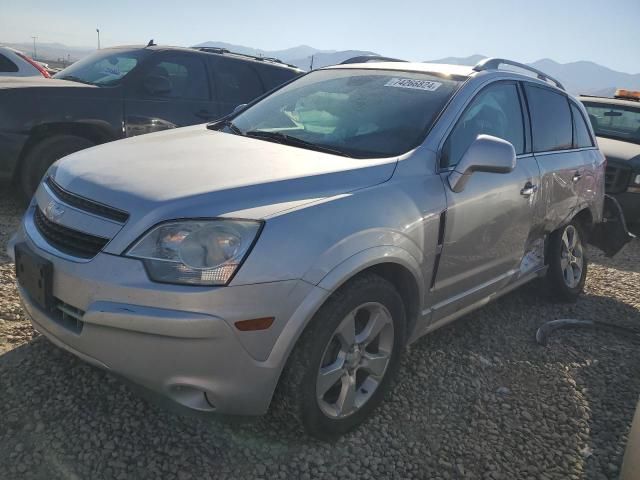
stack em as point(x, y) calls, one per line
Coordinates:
point(440, 68)
point(444, 69)
point(610, 101)
point(11, 49)
point(274, 62)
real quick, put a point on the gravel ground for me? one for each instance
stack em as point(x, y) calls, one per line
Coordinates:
point(478, 399)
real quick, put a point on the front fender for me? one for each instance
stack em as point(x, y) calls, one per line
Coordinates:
point(368, 258)
point(378, 241)
point(329, 283)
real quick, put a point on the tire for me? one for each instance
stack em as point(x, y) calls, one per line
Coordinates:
point(567, 260)
point(43, 154)
point(323, 347)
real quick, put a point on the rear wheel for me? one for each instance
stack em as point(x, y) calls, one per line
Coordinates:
point(43, 154)
point(345, 360)
point(567, 262)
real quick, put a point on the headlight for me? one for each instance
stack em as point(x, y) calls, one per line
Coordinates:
point(196, 252)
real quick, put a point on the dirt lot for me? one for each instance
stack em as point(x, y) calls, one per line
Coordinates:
point(479, 399)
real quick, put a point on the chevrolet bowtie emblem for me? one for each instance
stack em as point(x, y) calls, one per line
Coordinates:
point(53, 211)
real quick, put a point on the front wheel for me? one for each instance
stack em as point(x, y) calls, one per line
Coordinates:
point(567, 261)
point(345, 360)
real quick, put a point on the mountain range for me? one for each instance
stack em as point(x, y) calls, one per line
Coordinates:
point(578, 77)
point(581, 77)
point(299, 56)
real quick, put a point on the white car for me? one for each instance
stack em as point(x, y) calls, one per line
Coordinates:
point(14, 63)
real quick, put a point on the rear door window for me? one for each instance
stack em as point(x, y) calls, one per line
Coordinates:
point(186, 77)
point(236, 81)
point(581, 136)
point(495, 111)
point(551, 119)
point(6, 65)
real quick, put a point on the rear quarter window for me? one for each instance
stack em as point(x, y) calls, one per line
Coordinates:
point(551, 121)
point(582, 137)
point(6, 65)
point(236, 81)
point(273, 77)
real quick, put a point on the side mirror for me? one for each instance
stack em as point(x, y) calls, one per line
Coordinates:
point(239, 108)
point(485, 154)
point(157, 85)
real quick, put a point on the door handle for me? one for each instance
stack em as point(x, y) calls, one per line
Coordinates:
point(529, 189)
point(576, 176)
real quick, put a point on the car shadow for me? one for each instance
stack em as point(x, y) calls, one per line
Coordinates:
point(72, 420)
point(80, 421)
point(582, 388)
point(628, 259)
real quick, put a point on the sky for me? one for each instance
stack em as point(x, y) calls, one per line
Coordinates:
point(564, 30)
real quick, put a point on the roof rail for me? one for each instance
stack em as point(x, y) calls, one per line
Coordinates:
point(222, 51)
point(494, 64)
point(213, 49)
point(370, 58)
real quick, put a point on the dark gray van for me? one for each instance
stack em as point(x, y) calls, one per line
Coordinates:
point(121, 92)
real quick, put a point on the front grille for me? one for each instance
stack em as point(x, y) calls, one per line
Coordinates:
point(616, 178)
point(67, 240)
point(86, 204)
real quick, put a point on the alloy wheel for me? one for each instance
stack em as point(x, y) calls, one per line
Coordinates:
point(571, 256)
point(355, 360)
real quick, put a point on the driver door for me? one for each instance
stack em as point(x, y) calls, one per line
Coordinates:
point(489, 224)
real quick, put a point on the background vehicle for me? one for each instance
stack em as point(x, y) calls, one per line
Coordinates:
point(14, 63)
point(616, 122)
point(304, 241)
point(121, 92)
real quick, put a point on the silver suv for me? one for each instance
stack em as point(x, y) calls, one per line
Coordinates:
point(298, 246)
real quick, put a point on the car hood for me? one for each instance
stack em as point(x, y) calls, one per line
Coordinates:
point(617, 150)
point(40, 82)
point(196, 172)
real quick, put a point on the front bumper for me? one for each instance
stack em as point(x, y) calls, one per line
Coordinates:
point(179, 341)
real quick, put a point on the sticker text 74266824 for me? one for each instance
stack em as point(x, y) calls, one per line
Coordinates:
point(413, 83)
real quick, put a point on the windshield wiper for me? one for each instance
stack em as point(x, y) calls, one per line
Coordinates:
point(72, 78)
point(226, 123)
point(285, 139)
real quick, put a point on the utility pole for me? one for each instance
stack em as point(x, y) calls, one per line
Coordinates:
point(311, 66)
point(34, 48)
point(98, 31)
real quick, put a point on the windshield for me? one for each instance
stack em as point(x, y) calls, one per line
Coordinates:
point(104, 67)
point(615, 121)
point(360, 113)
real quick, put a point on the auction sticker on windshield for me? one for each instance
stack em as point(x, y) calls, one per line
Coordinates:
point(413, 83)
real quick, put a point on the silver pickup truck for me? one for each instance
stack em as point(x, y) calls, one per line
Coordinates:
point(296, 247)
